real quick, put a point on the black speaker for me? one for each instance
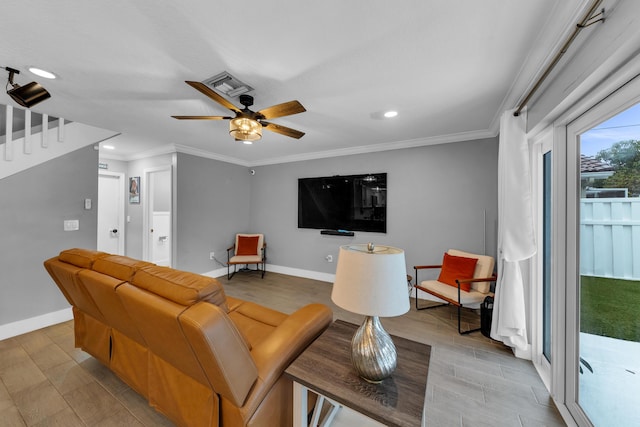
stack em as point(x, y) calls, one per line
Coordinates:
point(486, 314)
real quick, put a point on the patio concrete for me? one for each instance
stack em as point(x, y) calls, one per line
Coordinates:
point(611, 394)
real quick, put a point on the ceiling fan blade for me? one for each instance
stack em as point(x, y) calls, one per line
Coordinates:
point(283, 130)
point(281, 110)
point(206, 90)
point(201, 117)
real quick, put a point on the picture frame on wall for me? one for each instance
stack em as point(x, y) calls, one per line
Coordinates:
point(134, 189)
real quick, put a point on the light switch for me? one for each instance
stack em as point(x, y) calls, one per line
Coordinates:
point(87, 204)
point(71, 225)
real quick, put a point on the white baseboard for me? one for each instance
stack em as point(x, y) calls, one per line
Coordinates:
point(216, 273)
point(307, 274)
point(34, 323)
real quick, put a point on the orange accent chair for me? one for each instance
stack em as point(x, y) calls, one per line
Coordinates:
point(464, 281)
point(247, 249)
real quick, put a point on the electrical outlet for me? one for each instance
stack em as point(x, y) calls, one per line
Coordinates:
point(71, 225)
point(212, 255)
point(329, 258)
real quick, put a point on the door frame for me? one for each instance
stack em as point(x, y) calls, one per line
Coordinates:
point(541, 144)
point(121, 207)
point(147, 199)
point(623, 81)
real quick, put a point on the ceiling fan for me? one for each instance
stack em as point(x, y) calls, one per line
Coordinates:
point(247, 125)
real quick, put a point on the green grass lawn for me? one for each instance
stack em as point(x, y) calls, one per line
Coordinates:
point(610, 307)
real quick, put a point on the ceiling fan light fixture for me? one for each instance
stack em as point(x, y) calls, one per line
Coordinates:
point(247, 125)
point(245, 129)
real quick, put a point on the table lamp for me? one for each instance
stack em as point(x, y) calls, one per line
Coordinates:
point(372, 281)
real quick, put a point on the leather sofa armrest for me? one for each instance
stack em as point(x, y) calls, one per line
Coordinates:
point(273, 355)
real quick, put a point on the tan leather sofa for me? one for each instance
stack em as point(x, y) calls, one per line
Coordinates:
point(198, 356)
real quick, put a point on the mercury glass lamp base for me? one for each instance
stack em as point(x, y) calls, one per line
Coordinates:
point(373, 354)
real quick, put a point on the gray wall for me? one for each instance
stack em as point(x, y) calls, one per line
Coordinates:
point(35, 202)
point(437, 198)
point(212, 205)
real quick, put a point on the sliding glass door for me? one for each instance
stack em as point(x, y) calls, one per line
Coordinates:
point(603, 264)
point(546, 255)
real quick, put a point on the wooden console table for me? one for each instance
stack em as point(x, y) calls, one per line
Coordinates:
point(325, 369)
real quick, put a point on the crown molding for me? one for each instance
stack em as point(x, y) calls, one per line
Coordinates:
point(209, 155)
point(177, 148)
point(387, 146)
point(363, 149)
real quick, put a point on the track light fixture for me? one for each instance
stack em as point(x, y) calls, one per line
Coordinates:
point(27, 95)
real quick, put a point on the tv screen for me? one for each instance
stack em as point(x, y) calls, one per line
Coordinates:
point(351, 202)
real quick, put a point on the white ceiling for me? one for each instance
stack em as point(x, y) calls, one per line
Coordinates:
point(448, 67)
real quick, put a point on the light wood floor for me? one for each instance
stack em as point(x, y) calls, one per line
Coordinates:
point(473, 381)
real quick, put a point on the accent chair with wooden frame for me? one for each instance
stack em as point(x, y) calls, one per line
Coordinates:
point(463, 282)
point(248, 249)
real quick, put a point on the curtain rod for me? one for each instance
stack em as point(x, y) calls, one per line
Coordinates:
point(588, 19)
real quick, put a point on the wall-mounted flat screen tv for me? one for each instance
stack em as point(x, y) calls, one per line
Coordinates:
point(350, 202)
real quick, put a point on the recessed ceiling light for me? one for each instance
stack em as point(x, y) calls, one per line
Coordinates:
point(42, 73)
point(390, 114)
point(108, 147)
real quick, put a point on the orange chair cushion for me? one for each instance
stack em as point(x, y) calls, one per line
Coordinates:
point(247, 245)
point(457, 267)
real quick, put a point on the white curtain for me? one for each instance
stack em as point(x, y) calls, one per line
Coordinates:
point(516, 237)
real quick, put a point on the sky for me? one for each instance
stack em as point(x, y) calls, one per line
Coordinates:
point(622, 127)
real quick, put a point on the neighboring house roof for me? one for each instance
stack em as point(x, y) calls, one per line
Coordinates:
point(591, 164)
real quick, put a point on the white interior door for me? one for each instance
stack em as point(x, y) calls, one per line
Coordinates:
point(111, 212)
point(157, 217)
point(159, 243)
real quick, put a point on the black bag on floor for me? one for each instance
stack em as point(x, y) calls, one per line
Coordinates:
point(486, 313)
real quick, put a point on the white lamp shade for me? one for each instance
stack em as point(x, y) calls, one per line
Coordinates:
point(371, 283)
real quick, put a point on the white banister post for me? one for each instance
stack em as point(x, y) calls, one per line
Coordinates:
point(8, 137)
point(60, 129)
point(45, 130)
point(27, 132)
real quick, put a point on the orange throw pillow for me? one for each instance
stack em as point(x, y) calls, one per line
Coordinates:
point(457, 267)
point(247, 245)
